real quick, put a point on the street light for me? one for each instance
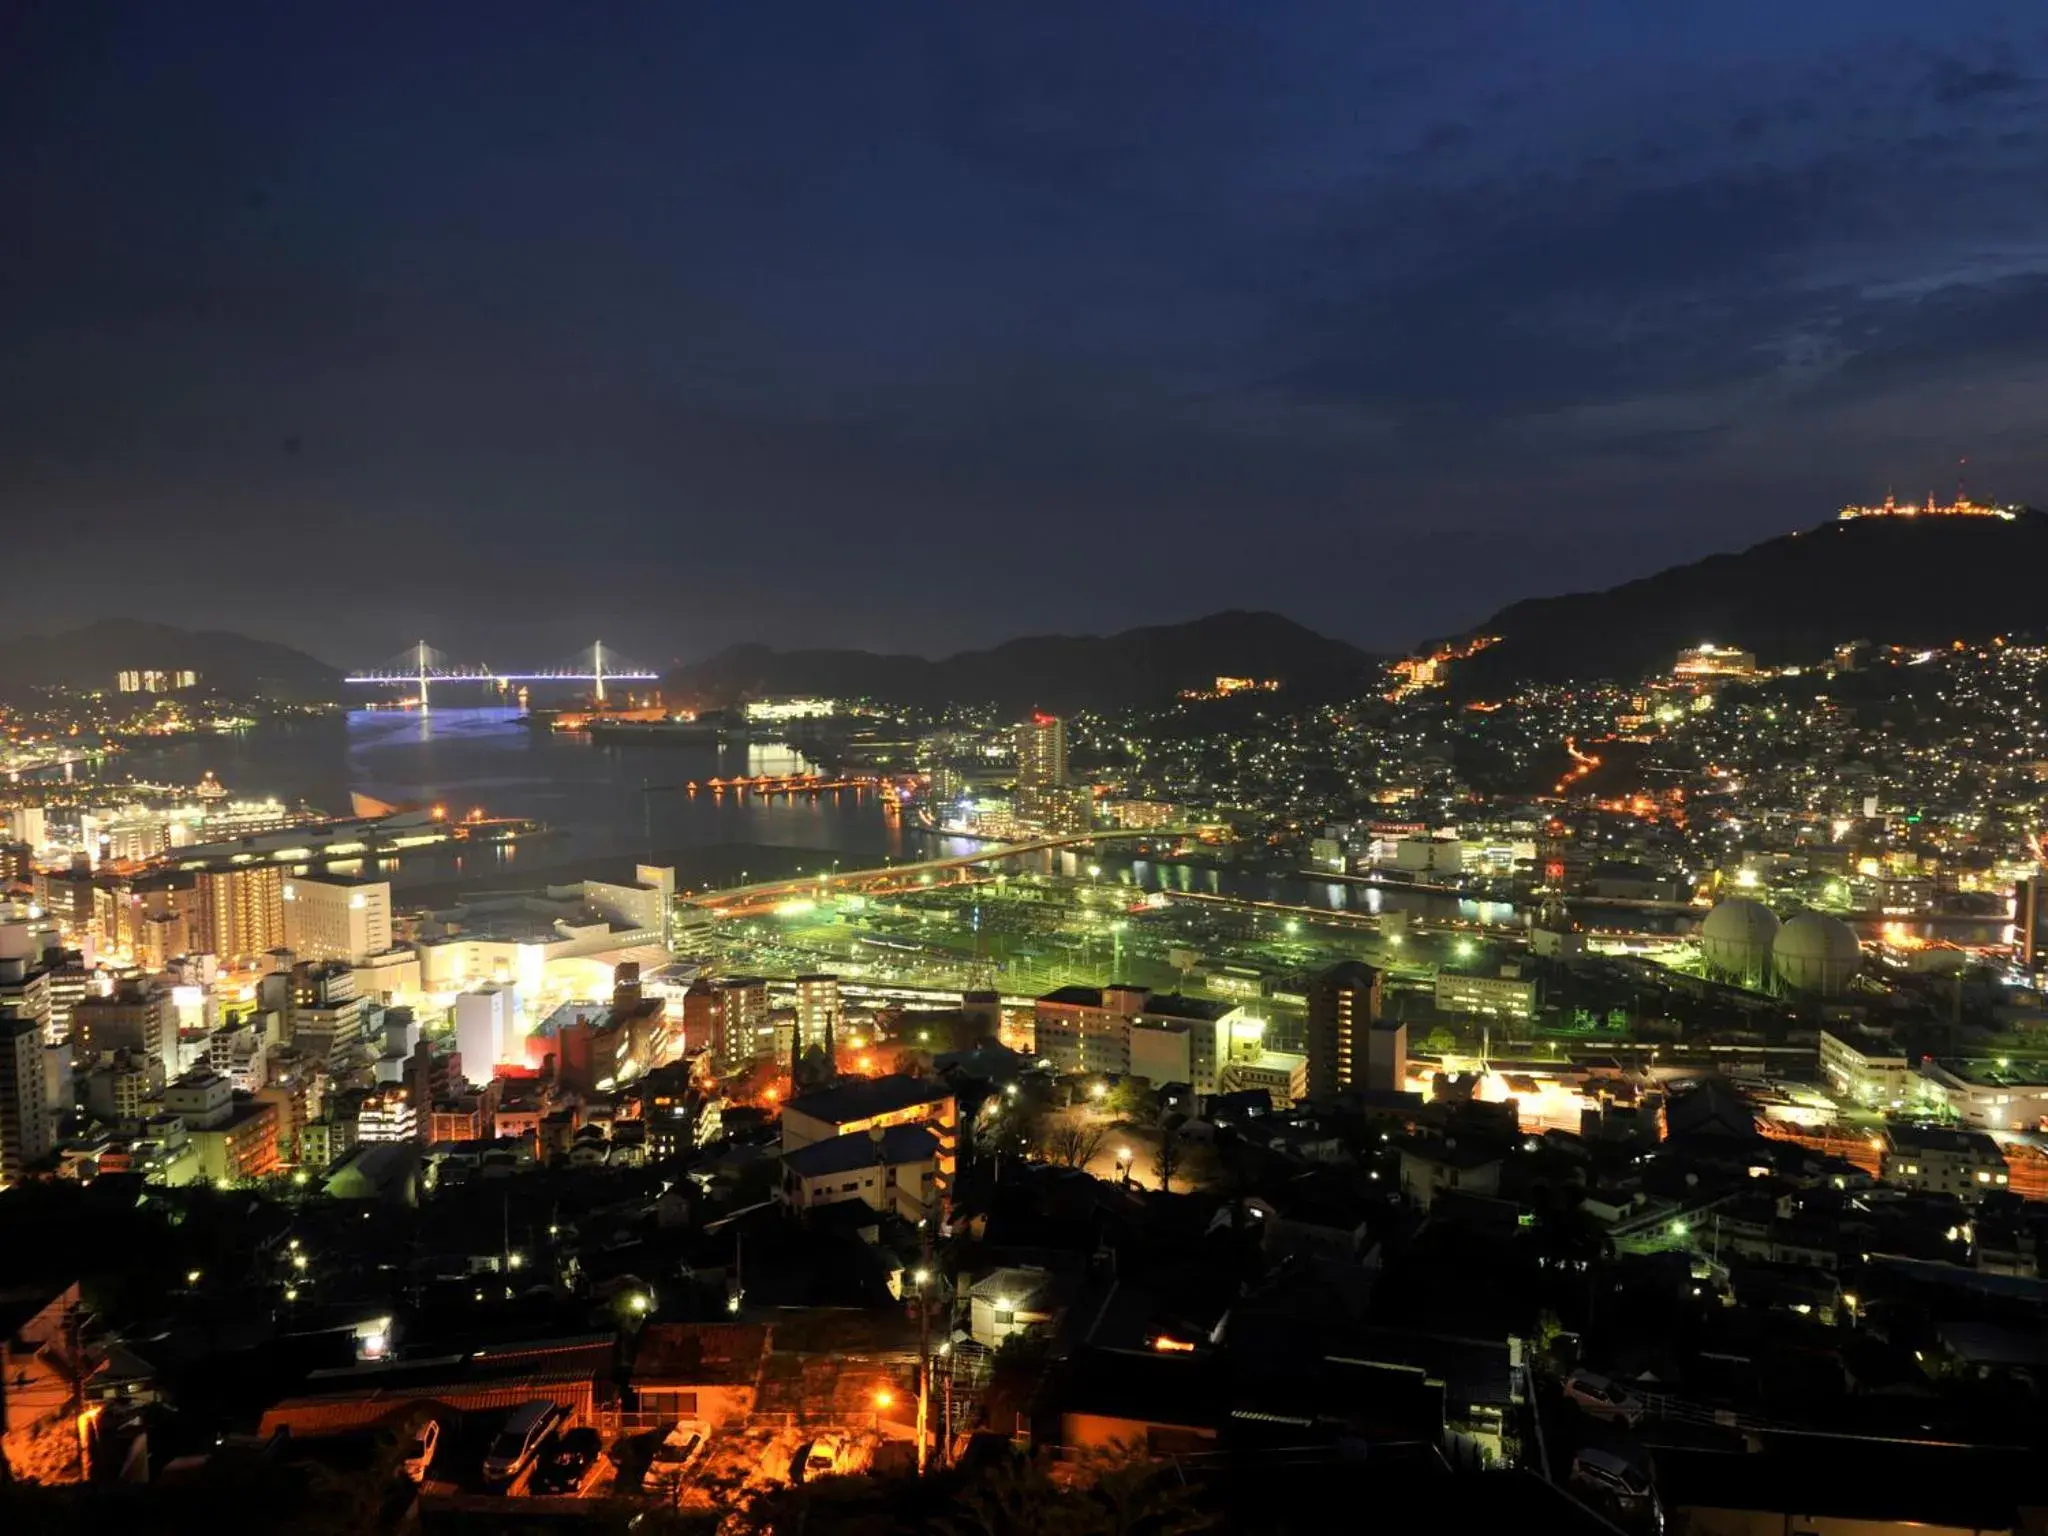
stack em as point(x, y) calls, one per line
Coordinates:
point(884, 1398)
point(922, 1276)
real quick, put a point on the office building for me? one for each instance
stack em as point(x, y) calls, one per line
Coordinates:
point(330, 919)
point(26, 1131)
point(1987, 1095)
point(1344, 1002)
point(1506, 995)
point(642, 912)
point(1864, 1067)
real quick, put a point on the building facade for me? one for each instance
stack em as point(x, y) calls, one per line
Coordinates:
point(1343, 1004)
point(343, 920)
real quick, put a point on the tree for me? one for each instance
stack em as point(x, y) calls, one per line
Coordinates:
point(1439, 1042)
point(1071, 1143)
point(1168, 1158)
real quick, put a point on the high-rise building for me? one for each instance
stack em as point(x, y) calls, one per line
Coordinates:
point(1041, 766)
point(330, 919)
point(241, 912)
point(484, 1026)
point(2030, 921)
point(136, 1017)
point(1343, 1004)
point(25, 991)
point(817, 1012)
point(26, 1131)
point(741, 1031)
point(1386, 1056)
point(326, 1018)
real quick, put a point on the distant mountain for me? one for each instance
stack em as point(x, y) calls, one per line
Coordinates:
point(1894, 581)
point(91, 657)
point(1055, 672)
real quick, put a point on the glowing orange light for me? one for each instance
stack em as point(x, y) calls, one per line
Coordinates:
point(1168, 1346)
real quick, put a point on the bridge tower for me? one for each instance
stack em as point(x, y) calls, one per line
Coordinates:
point(597, 670)
point(423, 676)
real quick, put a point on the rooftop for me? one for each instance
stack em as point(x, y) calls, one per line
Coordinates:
point(1994, 1072)
point(862, 1098)
point(1173, 1005)
point(1935, 1138)
point(699, 1353)
point(845, 1154)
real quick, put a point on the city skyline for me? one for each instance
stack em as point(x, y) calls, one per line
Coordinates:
point(728, 319)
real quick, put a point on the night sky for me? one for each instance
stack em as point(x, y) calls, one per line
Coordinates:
point(922, 326)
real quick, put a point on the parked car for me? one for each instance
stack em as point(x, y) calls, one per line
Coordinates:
point(1602, 1398)
point(419, 1453)
point(564, 1463)
point(1613, 1473)
point(525, 1431)
point(821, 1458)
point(680, 1447)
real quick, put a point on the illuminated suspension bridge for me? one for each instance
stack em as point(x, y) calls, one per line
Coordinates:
point(419, 665)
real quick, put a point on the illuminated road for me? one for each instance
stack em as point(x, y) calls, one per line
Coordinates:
point(751, 897)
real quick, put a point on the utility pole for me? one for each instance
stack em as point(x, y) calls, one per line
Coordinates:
point(924, 1345)
point(77, 1392)
point(946, 1432)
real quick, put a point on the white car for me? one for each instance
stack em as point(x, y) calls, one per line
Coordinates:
point(419, 1455)
point(822, 1459)
point(1602, 1398)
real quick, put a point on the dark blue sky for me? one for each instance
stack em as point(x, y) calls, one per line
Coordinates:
point(922, 326)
